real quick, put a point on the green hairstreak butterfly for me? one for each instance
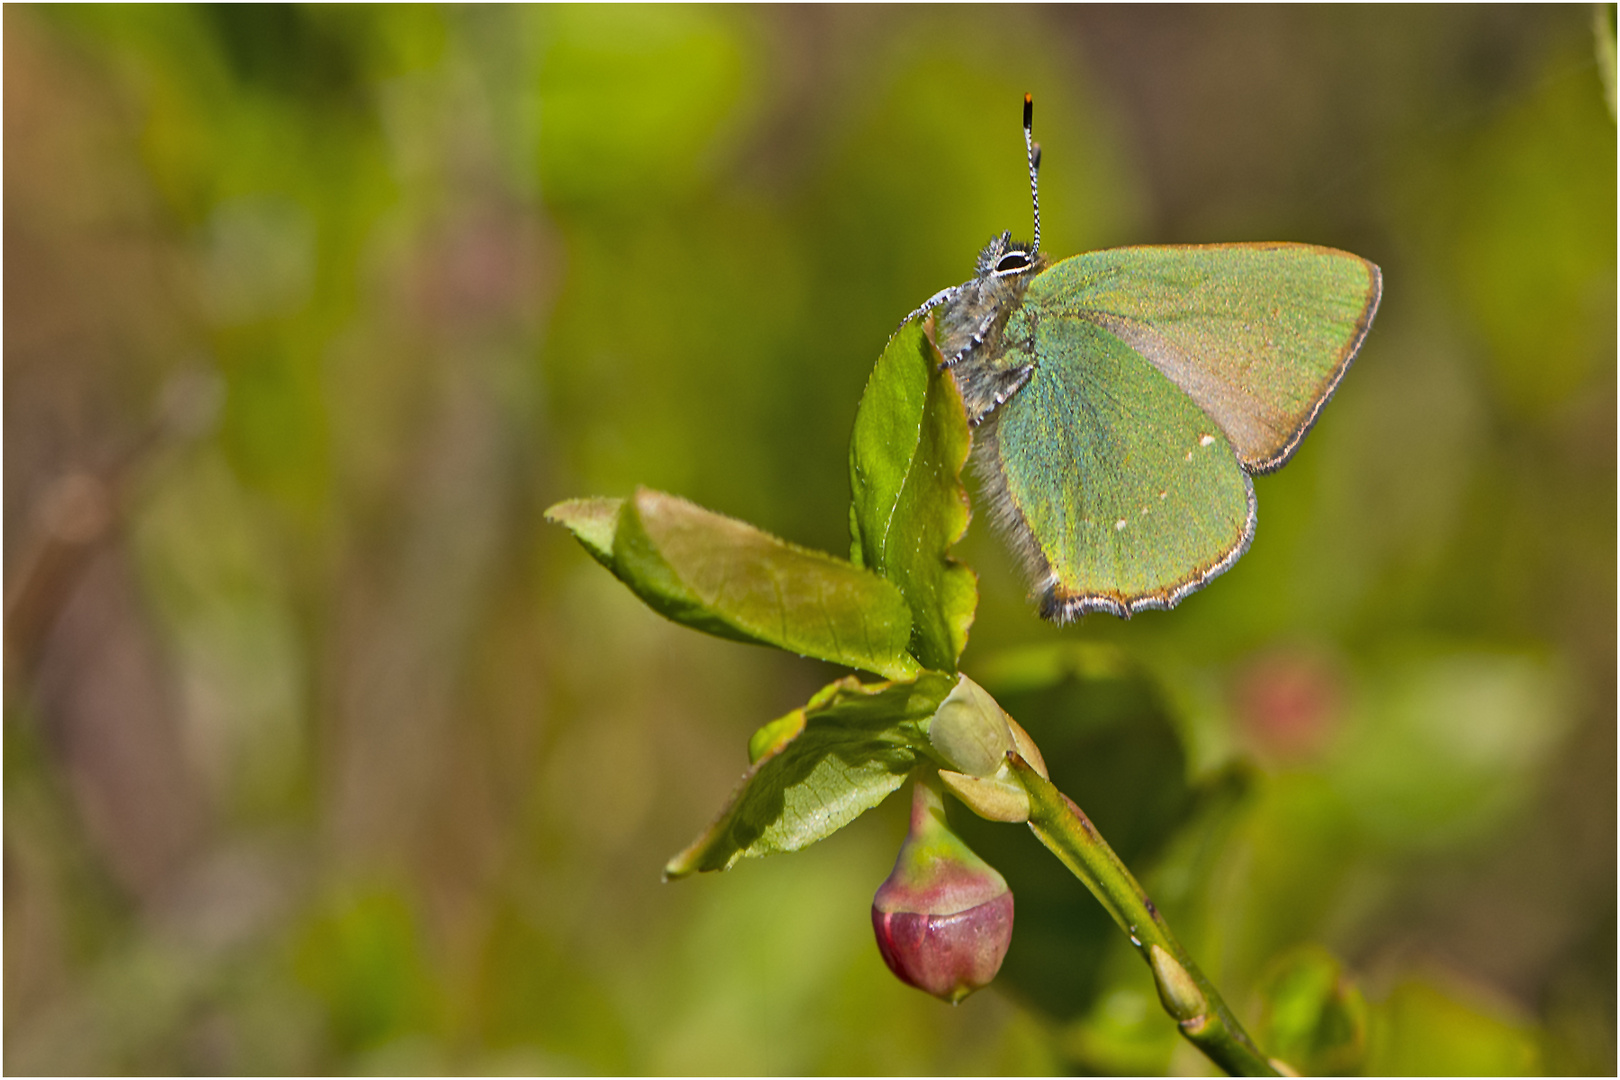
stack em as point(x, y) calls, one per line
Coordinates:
point(1122, 399)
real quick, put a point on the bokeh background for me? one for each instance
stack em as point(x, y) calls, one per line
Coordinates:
point(323, 752)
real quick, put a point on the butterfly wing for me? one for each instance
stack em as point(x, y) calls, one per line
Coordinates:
point(1258, 335)
point(1118, 492)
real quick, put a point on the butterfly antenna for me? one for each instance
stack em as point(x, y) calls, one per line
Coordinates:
point(1033, 149)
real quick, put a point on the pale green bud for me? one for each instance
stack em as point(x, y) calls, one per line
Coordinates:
point(1177, 989)
point(971, 731)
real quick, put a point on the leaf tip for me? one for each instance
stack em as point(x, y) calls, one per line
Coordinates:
point(991, 798)
point(773, 736)
point(593, 521)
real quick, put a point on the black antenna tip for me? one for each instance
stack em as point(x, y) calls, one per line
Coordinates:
point(1029, 111)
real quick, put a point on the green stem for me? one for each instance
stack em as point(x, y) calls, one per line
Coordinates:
point(1187, 995)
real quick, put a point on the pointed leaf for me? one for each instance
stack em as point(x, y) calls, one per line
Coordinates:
point(910, 442)
point(727, 578)
point(821, 767)
point(593, 521)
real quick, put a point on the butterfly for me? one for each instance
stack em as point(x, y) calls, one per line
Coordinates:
point(1121, 400)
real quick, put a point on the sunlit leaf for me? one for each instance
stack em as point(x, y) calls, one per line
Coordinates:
point(727, 578)
point(593, 521)
point(906, 455)
point(854, 744)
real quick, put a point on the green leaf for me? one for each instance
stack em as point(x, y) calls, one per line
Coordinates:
point(906, 455)
point(1315, 1018)
point(593, 521)
point(727, 578)
point(854, 743)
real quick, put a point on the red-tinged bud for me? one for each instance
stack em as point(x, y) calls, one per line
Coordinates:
point(944, 917)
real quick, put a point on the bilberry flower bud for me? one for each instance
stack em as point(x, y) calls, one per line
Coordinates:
point(944, 916)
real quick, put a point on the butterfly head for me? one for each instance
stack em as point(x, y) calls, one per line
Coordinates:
point(1005, 257)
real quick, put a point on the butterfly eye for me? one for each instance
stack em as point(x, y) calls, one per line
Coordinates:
point(1013, 260)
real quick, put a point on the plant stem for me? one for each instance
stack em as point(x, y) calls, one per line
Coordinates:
point(1189, 997)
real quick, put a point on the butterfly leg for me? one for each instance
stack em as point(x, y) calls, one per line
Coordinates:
point(983, 392)
point(931, 303)
point(1011, 384)
point(987, 323)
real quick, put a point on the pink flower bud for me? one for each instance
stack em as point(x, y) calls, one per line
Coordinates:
point(944, 916)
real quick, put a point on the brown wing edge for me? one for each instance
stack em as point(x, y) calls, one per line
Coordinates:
point(1055, 605)
point(1375, 293)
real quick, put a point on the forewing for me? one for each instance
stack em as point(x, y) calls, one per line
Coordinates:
point(1118, 492)
point(1258, 335)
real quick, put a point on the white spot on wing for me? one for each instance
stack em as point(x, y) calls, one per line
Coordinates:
point(1119, 526)
point(1207, 440)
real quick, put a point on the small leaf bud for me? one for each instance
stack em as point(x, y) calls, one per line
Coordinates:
point(1178, 991)
point(1026, 748)
point(991, 798)
point(970, 730)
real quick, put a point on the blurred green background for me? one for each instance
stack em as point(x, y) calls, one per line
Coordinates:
point(324, 753)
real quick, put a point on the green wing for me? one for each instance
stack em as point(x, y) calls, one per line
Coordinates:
point(1258, 335)
point(1118, 492)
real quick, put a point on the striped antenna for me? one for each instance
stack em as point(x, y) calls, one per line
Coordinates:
point(1033, 149)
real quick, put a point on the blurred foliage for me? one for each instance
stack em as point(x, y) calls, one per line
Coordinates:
point(1314, 1015)
point(323, 753)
